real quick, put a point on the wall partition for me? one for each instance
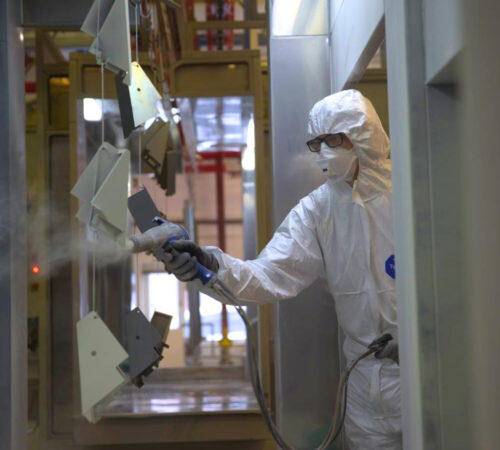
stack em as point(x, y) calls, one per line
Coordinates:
point(309, 58)
point(306, 335)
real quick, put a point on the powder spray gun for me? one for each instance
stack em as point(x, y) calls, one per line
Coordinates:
point(157, 237)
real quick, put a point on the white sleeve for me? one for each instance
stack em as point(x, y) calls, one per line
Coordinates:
point(289, 263)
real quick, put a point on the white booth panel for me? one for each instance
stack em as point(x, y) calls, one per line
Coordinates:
point(443, 38)
point(299, 17)
point(356, 33)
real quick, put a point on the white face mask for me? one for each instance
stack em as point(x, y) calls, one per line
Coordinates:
point(338, 163)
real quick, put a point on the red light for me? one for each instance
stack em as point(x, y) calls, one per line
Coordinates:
point(35, 269)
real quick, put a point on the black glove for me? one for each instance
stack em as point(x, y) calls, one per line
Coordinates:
point(391, 351)
point(182, 263)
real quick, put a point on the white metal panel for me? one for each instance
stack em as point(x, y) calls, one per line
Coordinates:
point(143, 94)
point(404, 223)
point(96, 16)
point(444, 113)
point(335, 6)
point(357, 32)
point(111, 198)
point(99, 355)
point(425, 126)
point(305, 327)
point(155, 139)
point(112, 45)
point(443, 38)
point(299, 17)
point(481, 162)
point(102, 189)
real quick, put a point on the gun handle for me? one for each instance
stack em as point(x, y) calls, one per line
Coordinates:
point(203, 274)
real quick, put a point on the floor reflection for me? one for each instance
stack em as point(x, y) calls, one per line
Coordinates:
point(183, 397)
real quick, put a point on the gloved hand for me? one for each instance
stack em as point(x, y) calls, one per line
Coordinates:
point(391, 351)
point(183, 264)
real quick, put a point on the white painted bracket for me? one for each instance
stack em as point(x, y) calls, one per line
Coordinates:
point(108, 21)
point(138, 102)
point(103, 190)
point(155, 139)
point(99, 357)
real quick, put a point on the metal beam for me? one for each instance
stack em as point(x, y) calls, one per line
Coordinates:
point(481, 160)
point(55, 14)
point(357, 30)
point(425, 124)
point(13, 262)
point(65, 39)
point(299, 77)
point(407, 106)
point(443, 37)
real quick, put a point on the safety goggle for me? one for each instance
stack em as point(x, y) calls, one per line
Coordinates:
point(332, 140)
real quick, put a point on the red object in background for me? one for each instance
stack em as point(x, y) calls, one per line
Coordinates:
point(229, 15)
point(211, 11)
point(208, 154)
point(220, 39)
point(30, 87)
point(218, 166)
point(35, 269)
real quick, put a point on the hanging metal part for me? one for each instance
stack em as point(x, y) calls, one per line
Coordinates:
point(108, 21)
point(169, 169)
point(137, 102)
point(143, 210)
point(161, 322)
point(99, 358)
point(145, 344)
point(102, 188)
point(155, 140)
point(158, 153)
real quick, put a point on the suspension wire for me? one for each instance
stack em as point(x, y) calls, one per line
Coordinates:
point(137, 31)
point(137, 6)
point(139, 162)
point(102, 103)
point(102, 142)
point(93, 278)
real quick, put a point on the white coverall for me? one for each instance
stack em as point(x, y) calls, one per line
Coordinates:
point(345, 235)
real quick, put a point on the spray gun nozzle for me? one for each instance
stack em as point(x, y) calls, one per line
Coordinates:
point(157, 236)
point(380, 343)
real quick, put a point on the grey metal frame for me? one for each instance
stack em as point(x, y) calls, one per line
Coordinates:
point(307, 352)
point(425, 112)
point(480, 160)
point(424, 42)
point(356, 31)
point(13, 261)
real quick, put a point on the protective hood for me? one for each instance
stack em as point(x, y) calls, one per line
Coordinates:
point(350, 113)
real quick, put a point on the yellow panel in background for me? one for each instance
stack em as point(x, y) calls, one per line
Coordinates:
point(91, 81)
point(213, 79)
point(373, 86)
point(58, 102)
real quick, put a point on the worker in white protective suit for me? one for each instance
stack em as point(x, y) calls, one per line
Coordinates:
point(343, 232)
